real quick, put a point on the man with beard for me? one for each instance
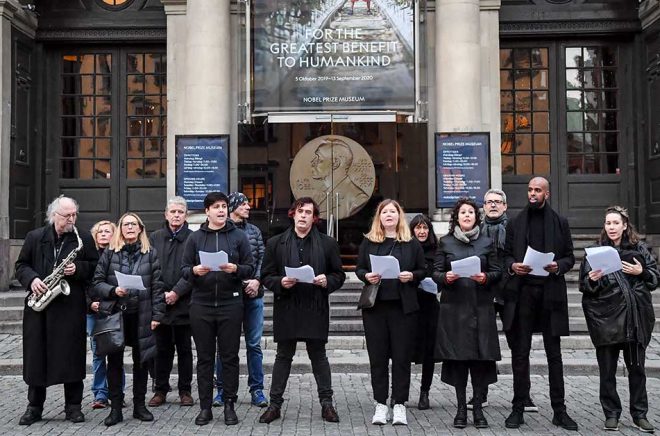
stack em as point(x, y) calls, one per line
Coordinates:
point(54, 348)
point(301, 311)
point(537, 303)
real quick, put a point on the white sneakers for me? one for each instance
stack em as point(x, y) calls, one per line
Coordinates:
point(381, 415)
point(399, 415)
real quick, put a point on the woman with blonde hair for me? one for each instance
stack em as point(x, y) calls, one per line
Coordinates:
point(389, 326)
point(131, 253)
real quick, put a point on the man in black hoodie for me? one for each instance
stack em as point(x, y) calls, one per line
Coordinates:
point(169, 243)
point(216, 305)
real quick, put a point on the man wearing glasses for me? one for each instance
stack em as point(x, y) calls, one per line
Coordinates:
point(54, 347)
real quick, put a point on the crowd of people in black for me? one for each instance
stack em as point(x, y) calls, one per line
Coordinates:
point(441, 306)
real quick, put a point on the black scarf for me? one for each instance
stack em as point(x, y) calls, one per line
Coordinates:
point(495, 229)
point(316, 257)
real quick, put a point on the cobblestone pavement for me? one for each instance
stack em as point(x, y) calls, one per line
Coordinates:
point(301, 411)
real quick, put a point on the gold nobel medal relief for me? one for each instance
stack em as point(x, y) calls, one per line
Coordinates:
point(331, 165)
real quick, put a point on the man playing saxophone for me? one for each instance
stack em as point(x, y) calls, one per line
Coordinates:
point(54, 347)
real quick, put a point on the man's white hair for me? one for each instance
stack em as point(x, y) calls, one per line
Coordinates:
point(177, 200)
point(54, 206)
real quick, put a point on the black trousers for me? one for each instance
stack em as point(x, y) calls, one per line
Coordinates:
point(390, 334)
point(167, 338)
point(428, 369)
point(608, 357)
point(115, 369)
point(222, 326)
point(73, 393)
point(530, 312)
point(282, 369)
point(481, 372)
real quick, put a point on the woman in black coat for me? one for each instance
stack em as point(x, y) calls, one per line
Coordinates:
point(389, 326)
point(422, 229)
point(619, 313)
point(467, 340)
point(130, 253)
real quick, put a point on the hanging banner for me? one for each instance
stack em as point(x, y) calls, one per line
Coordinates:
point(462, 167)
point(333, 54)
point(202, 166)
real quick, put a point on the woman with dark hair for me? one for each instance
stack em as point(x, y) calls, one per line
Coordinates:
point(619, 313)
point(389, 326)
point(216, 302)
point(422, 230)
point(130, 253)
point(467, 340)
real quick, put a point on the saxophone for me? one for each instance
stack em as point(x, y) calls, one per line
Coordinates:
point(55, 282)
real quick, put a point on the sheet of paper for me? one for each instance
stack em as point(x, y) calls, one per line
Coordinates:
point(128, 281)
point(304, 274)
point(466, 267)
point(213, 260)
point(537, 261)
point(604, 258)
point(428, 285)
point(386, 266)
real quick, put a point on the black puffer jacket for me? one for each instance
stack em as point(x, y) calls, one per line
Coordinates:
point(256, 244)
point(169, 249)
point(151, 304)
point(218, 288)
point(618, 307)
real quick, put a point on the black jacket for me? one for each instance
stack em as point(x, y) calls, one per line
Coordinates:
point(411, 258)
point(618, 307)
point(301, 312)
point(258, 250)
point(169, 250)
point(218, 288)
point(466, 323)
point(557, 240)
point(54, 341)
point(151, 304)
point(427, 319)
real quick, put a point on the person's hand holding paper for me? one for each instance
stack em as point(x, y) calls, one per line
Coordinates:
point(214, 261)
point(385, 266)
point(539, 264)
point(303, 274)
point(606, 259)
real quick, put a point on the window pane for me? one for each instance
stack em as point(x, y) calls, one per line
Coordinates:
point(523, 122)
point(573, 79)
point(152, 147)
point(152, 84)
point(591, 142)
point(506, 100)
point(507, 144)
point(609, 100)
point(574, 142)
point(610, 142)
point(523, 101)
point(103, 84)
point(102, 169)
point(523, 143)
point(592, 100)
point(541, 164)
point(103, 106)
point(541, 122)
point(507, 165)
point(104, 148)
point(103, 64)
point(506, 58)
point(574, 121)
point(540, 79)
point(540, 100)
point(542, 143)
point(575, 164)
point(103, 126)
point(539, 58)
point(507, 123)
point(573, 57)
point(135, 127)
point(591, 121)
point(506, 79)
point(521, 58)
point(523, 79)
point(135, 84)
point(573, 100)
point(610, 120)
point(135, 148)
point(609, 79)
point(134, 169)
point(135, 63)
point(524, 165)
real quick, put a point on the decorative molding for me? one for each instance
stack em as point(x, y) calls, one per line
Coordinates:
point(649, 12)
point(8, 8)
point(490, 5)
point(148, 34)
point(175, 7)
point(560, 27)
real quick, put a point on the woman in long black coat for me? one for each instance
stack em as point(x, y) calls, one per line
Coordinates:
point(467, 340)
point(130, 253)
point(619, 313)
point(422, 229)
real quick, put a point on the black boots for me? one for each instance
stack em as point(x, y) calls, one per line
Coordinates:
point(230, 414)
point(460, 420)
point(141, 412)
point(478, 412)
point(31, 415)
point(73, 413)
point(423, 403)
point(115, 417)
point(205, 416)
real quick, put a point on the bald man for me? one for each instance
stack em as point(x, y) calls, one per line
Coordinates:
point(536, 303)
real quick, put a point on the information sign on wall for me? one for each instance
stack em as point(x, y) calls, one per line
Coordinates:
point(462, 167)
point(202, 166)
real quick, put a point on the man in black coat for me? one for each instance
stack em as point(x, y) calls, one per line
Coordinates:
point(301, 311)
point(54, 348)
point(174, 330)
point(536, 303)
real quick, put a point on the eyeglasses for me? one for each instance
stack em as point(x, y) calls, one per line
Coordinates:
point(69, 216)
point(494, 202)
point(129, 224)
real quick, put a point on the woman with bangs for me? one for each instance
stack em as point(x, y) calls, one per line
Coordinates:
point(130, 253)
point(390, 325)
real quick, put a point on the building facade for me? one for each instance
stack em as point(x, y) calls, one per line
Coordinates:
point(95, 93)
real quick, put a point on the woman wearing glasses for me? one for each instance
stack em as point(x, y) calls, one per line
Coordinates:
point(619, 314)
point(130, 253)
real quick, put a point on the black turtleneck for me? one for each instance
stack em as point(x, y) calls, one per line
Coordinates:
point(536, 230)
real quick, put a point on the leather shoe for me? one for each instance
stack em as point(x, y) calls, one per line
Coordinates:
point(205, 416)
point(423, 403)
point(564, 421)
point(230, 414)
point(186, 399)
point(270, 415)
point(141, 412)
point(115, 417)
point(158, 399)
point(460, 420)
point(514, 420)
point(73, 414)
point(328, 413)
point(31, 415)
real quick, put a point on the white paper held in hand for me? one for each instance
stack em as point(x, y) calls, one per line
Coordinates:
point(604, 258)
point(538, 261)
point(304, 274)
point(466, 267)
point(213, 260)
point(128, 281)
point(428, 285)
point(386, 266)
